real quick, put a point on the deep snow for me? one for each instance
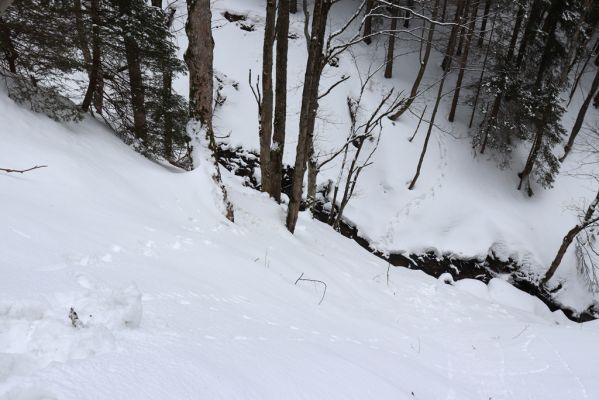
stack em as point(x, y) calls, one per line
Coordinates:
point(178, 303)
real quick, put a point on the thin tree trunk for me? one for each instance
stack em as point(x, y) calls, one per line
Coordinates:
point(199, 58)
point(580, 116)
point(96, 62)
point(408, 14)
point(445, 65)
point(391, 44)
point(133, 56)
point(280, 117)
point(266, 108)
point(418, 126)
point(569, 238)
point(81, 36)
point(308, 108)
point(463, 21)
point(292, 6)
point(482, 73)
point(422, 69)
point(498, 97)
point(367, 22)
point(464, 60)
point(534, 18)
point(483, 25)
point(8, 47)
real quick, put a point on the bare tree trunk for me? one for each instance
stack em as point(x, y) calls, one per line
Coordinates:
point(483, 25)
point(580, 116)
point(4, 4)
point(464, 60)
point(422, 69)
point(199, 57)
point(81, 36)
point(569, 238)
point(308, 108)
point(463, 21)
point(445, 65)
point(266, 108)
point(391, 44)
point(368, 22)
point(96, 62)
point(292, 6)
point(9, 49)
point(408, 14)
point(280, 117)
point(482, 73)
point(135, 76)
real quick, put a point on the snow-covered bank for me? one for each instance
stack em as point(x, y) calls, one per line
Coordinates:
point(177, 303)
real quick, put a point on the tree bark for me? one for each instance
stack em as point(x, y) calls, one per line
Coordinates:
point(81, 35)
point(391, 44)
point(133, 56)
point(368, 22)
point(96, 62)
point(463, 61)
point(580, 116)
point(280, 116)
point(569, 238)
point(408, 14)
point(266, 108)
point(292, 6)
point(483, 25)
point(309, 107)
point(422, 69)
point(199, 58)
point(534, 18)
point(445, 65)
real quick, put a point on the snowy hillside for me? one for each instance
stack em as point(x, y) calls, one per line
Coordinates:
point(462, 205)
point(175, 302)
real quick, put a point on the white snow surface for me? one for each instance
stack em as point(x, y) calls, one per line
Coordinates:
point(178, 303)
point(175, 302)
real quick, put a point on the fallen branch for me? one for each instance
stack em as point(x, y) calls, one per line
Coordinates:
point(22, 171)
point(301, 278)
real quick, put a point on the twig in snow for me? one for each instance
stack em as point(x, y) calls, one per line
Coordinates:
point(21, 171)
point(521, 332)
point(301, 278)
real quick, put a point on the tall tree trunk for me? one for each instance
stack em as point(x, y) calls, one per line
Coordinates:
point(408, 14)
point(367, 22)
point(391, 43)
point(10, 53)
point(463, 21)
point(492, 117)
point(449, 56)
point(581, 115)
point(82, 36)
point(309, 107)
point(292, 6)
point(96, 62)
point(199, 58)
point(530, 30)
point(549, 28)
point(280, 117)
point(423, 63)
point(569, 238)
point(445, 65)
point(483, 25)
point(266, 108)
point(464, 60)
point(133, 56)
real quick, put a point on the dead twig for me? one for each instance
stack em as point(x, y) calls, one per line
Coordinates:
point(301, 278)
point(22, 171)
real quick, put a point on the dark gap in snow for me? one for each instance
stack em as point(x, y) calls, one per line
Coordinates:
point(247, 165)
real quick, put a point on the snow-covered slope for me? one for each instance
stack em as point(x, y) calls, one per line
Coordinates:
point(463, 203)
point(175, 302)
